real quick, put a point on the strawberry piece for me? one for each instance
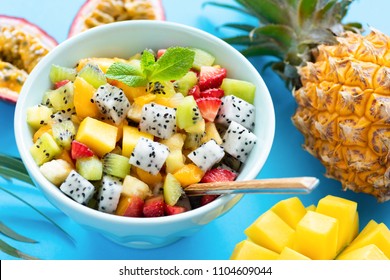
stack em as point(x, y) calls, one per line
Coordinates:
point(131, 206)
point(211, 77)
point(218, 175)
point(60, 83)
point(212, 92)
point(154, 206)
point(173, 210)
point(160, 52)
point(80, 150)
point(208, 107)
point(194, 91)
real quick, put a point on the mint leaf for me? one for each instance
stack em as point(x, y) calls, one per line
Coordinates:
point(148, 63)
point(126, 74)
point(173, 64)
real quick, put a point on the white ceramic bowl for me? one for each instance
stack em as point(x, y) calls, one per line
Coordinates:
point(123, 40)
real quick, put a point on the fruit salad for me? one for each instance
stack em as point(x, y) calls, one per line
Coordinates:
point(127, 136)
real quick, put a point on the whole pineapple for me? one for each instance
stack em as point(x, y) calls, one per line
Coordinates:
point(340, 80)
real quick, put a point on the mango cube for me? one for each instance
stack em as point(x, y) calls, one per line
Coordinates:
point(368, 252)
point(97, 135)
point(291, 211)
point(316, 236)
point(130, 137)
point(247, 250)
point(271, 232)
point(290, 254)
point(83, 93)
point(344, 211)
point(372, 234)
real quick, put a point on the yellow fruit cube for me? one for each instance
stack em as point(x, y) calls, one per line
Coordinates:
point(368, 252)
point(130, 137)
point(271, 232)
point(83, 93)
point(97, 135)
point(188, 174)
point(290, 254)
point(151, 180)
point(247, 250)
point(372, 234)
point(316, 236)
point(291, 211)
point(174, 161)
point(311, 207)
point(344, 211)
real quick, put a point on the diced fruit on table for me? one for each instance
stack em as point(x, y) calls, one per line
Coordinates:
point(330, 230)
point(126, 136)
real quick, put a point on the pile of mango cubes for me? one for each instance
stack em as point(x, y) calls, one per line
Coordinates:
point(330, 230)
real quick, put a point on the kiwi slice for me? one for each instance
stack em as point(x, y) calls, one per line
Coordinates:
point(44, 149)
point(242, 89)
point(60, 73)
point(162, 88)
point(187, 114)
point(61, 99)
point(202, 58)
point(38, 116)
point(93, 75)
point(172, 190)
point(184, 84)
point(91, 168)
point(64, 133)
point(116, 165)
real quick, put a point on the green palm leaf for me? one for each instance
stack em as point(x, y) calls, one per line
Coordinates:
point(9, 250)
point(14, 235)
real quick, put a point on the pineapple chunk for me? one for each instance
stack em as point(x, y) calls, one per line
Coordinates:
point(271, 232)
point(291, 211)
point(311, 207)
point(290, 254)
point(211, 132)
point(368, 252)
point(97, 135)
point(130, 138)
point(133, 186)
point(316, 236)
point(174, 161)
point(83, 93)
point(378, 235)
point(344, 211)
point(247, 250)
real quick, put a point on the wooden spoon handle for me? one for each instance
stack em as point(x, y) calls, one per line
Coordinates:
point(297, 185)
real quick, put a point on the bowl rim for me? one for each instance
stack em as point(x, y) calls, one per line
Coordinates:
point(46, 187)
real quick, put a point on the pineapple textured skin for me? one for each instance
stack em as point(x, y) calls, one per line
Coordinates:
point(344, 111)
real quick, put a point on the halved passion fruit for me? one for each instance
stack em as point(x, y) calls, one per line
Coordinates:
point(22, 45)
point(97, 12)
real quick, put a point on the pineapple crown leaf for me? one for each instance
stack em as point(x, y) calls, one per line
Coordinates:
point(282, 35)
point(12, 251)
point(228, 6)
point(240, 26)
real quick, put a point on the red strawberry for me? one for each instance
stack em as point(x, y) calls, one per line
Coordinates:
point(209, 107)
point(211, 77)
point(130, 206)
point(218, 175)
point(154, 206)
point(80, 150)
point(212, 92)
point(194, 91)
point(173, 210)
point(160, 52)
point(60, 83)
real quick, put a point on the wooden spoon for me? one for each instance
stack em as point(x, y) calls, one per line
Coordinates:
point(296, 185)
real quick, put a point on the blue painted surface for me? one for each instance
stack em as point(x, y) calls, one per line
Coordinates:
point(217, 239)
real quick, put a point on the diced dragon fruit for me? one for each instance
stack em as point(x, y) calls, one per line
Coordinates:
point(236, 109)
point(149, 155)
point(112, 103)
point(158, 120)
point(109, 194)
point(207, 155)
point(77, 187)
point(238, 141)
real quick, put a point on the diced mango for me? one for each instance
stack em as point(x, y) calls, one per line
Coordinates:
point(130, 138)
point(316, 236)
point(247, 250)
point(344, 211)
point(291, 211)
point(368, 252)
point(373, 234)
point(83, 93)
point(41, 130)
point(97, 135)
point(151, 180)
point(130, 92)
point(188, 174)
point(290, 254)
point(271, 232)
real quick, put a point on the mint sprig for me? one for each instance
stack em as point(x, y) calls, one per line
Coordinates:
point(172, 65)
